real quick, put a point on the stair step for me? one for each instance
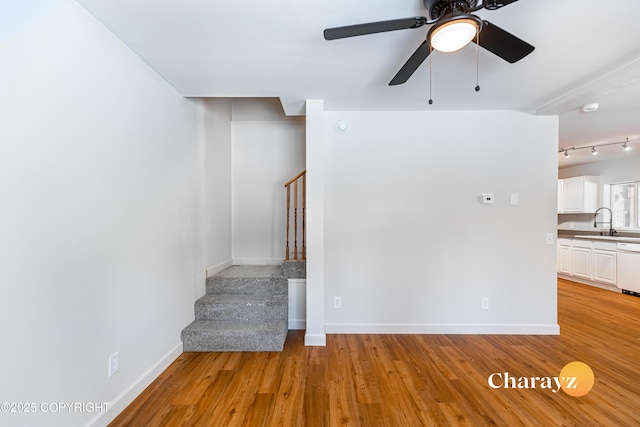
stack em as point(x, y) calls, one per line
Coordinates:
point(220, 335)
point(260, 279)
point(246, 307)
point(295, 269)
point(251, 271)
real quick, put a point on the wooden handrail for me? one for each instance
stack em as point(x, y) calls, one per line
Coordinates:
point(301, 177)
point(295, 178)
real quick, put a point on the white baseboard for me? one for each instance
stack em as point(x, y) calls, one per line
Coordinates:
point(258, 261)
point(591, 283)
point(125, 398)
point(426, 328)
point(218, 267)
point(297, 324)
point(317, 340)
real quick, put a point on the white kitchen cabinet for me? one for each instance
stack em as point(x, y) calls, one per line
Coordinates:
point(579, 194)
point(581, 253)
point(594, 262)
point(560, 195)
point(604, 262)
point(564, 256)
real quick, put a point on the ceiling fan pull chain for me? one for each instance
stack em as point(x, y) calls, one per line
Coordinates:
point(477, 60)
point(430, 72)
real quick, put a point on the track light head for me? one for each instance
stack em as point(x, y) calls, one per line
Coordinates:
point(594, 151)
point(566, 154)
point(625, 146)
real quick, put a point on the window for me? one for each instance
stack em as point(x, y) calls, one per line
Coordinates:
point(625, 205)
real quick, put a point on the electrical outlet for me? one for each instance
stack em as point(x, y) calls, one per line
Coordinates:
point(114, 363)
point(487, 199)
point(484, 303)
point(337, 302)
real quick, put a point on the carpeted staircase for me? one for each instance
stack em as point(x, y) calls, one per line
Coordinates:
point(245, 308)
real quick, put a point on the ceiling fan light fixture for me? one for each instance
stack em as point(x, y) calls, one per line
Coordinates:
point(455, 33)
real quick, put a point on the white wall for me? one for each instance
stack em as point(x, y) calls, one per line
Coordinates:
point(407, 245)
point(610, 172)
point(215, 191)
point(315, 137)
point(267, 150)
point(99, 214)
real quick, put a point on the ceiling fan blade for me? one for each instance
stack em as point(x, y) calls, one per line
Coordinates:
point(497, 4)
point(374, 27)
point(412, 64)
point(502, 43)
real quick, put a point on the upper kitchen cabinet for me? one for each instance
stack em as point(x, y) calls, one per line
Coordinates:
point(578, 194)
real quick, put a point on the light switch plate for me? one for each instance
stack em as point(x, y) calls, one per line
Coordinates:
point(550, 239)
point(114, 363)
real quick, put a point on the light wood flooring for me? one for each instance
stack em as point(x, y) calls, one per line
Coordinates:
point(413, 380)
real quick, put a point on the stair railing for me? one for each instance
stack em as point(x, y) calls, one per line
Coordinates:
point(297, 181)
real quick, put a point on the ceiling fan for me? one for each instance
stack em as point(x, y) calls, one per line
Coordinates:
point(454, 26)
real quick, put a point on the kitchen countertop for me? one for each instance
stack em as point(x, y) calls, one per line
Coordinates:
point(625, 238)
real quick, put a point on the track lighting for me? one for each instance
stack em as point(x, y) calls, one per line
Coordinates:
point(594, 151)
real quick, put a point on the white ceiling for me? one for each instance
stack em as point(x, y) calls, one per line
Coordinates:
point(585, 52)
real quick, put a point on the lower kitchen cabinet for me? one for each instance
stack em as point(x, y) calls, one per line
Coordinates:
point(564, 256)
point(604, 266)
point(581, 253)
point(591, 261)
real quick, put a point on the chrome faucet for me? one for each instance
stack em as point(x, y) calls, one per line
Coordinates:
point(612, 232)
